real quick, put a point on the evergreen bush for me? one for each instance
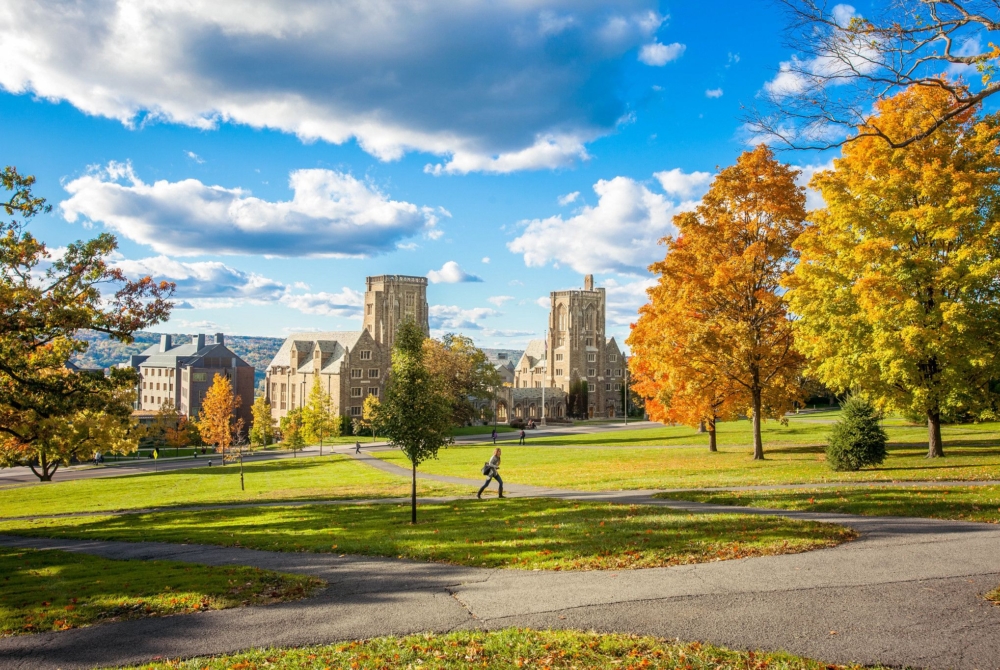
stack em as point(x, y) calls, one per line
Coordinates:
point(857, 440)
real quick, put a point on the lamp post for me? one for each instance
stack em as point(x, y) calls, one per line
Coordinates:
point(545, 374)
point(625, 360)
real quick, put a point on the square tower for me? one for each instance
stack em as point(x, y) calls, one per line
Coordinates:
point(390, 300)
point(577, 349)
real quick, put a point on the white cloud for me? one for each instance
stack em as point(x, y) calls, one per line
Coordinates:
point(713, 93)
point(682, 184)
point(657, 54)
point(451, 273)
point(499, 300)
point(625, 299)
point(545, 302)
point(568, 198)
point(486, 259)
point(207, 283)
point(195, 157)
point(347, 303)
point(331, 214)
point(432, 76)
point(619, 234)
point(814, 200)
point(452, 317)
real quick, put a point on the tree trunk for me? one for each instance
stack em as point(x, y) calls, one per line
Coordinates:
point(712, 446)
point(413, 495)
point(45, 475)
point(935, 447)
point(758, 445)
point(701, 426)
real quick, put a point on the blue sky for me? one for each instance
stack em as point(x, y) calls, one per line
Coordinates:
point(269, 158)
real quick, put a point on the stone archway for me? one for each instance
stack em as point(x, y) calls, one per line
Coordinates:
point(501, 411)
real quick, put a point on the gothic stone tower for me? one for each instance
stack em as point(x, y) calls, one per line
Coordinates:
point(576, 345)
point(390, 300)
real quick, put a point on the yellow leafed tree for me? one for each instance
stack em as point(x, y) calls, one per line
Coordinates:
point(897, 289)
point(217, 420)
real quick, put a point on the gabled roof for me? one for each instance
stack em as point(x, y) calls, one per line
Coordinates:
point(335, 343)
point(535, 353)
point(186, 353)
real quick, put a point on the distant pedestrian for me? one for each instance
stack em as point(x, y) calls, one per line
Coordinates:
point(491, 470)
point(357, 447)
point(521, 441)
point(494, 436)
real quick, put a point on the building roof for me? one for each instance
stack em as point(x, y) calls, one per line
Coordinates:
point(506, 358)
point(529, 394)
point(185, 354)
point(334, 343)
point(535, 353)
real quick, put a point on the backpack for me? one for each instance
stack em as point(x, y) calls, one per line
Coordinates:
point(487, 469)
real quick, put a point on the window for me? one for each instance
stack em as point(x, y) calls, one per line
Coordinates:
point(524, 385)
point(502, 356)
point(159, 372)
point(524, 371)
point(157, 386)
point(618, 387)
point(607, 387)
point(559, 357)
point(618, 372)
point(366, 355)
point(538, 385)
point(293, 395)
point(373, 390)
point(613, 357)
point(369, 328)
point(274, 392)
point(410, 300)
point(283, 396)
point(369, 308)
point(591, 372)
point(560, 341)
point(171, 387)
point(355, 411)
point(559, 372)
point(591, 358)
point(607, 372)
point(590, 341)
point(199, 377)
point(591, 387)
point(355, 391)
point(373, 373)
point(144, 385)
point(538, 370)
point(145, 399)
point(356, 373)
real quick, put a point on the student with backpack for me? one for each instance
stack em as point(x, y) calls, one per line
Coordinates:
point(491, 470)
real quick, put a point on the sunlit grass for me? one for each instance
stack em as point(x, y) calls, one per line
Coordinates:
point(57, 590)
point(517, 533)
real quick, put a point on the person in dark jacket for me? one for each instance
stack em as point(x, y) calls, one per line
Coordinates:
point(521, 441)
point(491, 470)
point(494, 436)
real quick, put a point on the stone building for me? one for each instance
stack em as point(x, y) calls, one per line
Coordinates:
point(181, 374)
point(575, 349)
point(350, 365)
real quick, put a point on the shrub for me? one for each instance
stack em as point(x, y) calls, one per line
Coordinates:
point(517, 423)
point(857, 439)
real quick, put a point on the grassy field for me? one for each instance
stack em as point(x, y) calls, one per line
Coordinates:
point(480, 430)
point(509, 648)
point(660, 458)
point(965, 503)
point(518, 533)
point(57, 590)
point(288, 479)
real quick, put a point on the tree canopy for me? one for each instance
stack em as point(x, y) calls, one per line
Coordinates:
point(463, 371)
point(217, 420)
point(45, 300)
point(897, 288)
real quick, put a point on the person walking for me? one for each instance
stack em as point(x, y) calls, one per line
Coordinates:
point(521, 441)
point(357, 447)
point(491, 470)
point(494, 436)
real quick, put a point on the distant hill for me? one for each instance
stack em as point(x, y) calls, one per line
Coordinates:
point(104, 352)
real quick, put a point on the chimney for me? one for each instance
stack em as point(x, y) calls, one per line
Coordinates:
point(588, 283)
point(199, 341)
point(164, 343)
point(220, 338)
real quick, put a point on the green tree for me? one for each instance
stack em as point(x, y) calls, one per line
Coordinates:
point(369, 415)
point(45, 303)
point(463, 371)
point(857, 439)
point(262, 429)
point(291, 430)
point(897, 292)
point(416, 413)
point(319, 421)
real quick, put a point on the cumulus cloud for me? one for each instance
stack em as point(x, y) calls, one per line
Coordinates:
point(452, 318)
point(347, 303)
point(657, 54)
point(451, 273)
point(814, 200)
point(619, 234)
point(545, 302)
point(568, 198)
point(206, 283)
point(624, 300)
point(486, 84)
point(713, 93)
point(486, 259)
point(682, 184)
point(499, 300)
point(331, 214)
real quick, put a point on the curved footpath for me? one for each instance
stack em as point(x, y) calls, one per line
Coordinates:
point(907, 593)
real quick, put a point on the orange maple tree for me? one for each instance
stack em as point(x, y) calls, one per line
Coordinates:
point(716, 338)
point(217, 420)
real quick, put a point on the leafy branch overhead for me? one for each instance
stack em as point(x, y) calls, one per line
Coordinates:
point(844, 62)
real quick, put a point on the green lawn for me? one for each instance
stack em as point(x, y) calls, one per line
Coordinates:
point(57, 590)
point(509, 648)
point(517, 533)
point(661, 458)
point(965, 503)
point(480, 430)
point(287, 479)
